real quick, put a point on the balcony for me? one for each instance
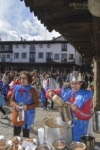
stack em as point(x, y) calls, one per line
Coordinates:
point(32, 60)
point(48, 60)
point(63, 60)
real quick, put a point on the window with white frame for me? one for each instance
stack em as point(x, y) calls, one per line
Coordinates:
point(56, 56)
point(24, 55)
point(32, 55)
point(70, 56)
point(63, 56)
point(8, 55)
point(49, 55)
point(64, 47)
point(16, 55)
point(32, 47)
point(40, 55)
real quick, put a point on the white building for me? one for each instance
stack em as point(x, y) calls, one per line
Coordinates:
point(57, 54)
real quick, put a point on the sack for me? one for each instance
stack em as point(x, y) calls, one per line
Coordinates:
point(15, 117)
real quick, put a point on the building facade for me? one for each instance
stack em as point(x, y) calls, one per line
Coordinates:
point(55, 55)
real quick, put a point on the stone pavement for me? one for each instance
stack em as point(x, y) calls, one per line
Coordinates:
point(7, 129)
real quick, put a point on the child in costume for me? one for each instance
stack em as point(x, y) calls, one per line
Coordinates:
point(81, 105)
point(26, 94)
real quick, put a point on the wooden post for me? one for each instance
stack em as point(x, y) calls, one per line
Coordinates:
point(97, 83)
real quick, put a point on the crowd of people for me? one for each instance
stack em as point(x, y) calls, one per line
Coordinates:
point(30, 88)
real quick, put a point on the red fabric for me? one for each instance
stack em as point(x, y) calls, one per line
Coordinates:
point(84, 113)
point(11, 89)
point(72, 99)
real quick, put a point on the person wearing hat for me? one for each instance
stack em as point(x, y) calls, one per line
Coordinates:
point(80, 101)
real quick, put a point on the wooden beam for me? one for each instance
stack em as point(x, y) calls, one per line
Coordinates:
point(79, 39)
point(77, 36)
point(73, 27)
point(72, 18)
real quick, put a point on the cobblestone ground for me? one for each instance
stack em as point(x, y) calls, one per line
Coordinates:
point(7, 129)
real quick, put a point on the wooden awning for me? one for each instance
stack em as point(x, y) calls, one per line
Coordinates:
point(72, 19)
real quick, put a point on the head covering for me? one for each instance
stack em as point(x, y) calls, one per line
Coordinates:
point(76, 76)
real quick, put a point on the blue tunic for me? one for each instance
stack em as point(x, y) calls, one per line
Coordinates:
point(81, 97)
point(21, 94)
point(5, 89)
point(42, 96)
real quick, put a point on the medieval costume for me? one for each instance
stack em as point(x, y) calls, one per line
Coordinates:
point(20, 95)
point(81, 100)
point(27, 95)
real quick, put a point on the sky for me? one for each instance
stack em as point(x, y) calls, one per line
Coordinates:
point(17, 21)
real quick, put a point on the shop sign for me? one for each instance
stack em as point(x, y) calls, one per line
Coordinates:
point(81, 6)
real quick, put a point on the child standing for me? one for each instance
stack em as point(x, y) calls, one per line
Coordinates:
point(2, 103)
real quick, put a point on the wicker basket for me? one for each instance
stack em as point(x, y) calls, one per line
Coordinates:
point(94, 7)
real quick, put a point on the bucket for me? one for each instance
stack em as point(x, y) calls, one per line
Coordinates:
point(96, 121)
point(56, 129)
point(89, 141)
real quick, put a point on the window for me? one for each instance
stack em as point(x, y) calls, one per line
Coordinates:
point(80, 59)
point(32, 55)
point(64, 47)
point(24, 45)
point(40, 45)
point(40, 55)
point(32, 47)
point(8, 55)
point(1, 47)
point(48, 45)
point(63, 56)
point(6, 47)
point(56, 57)
point(48, 55)
point(16, 45)
point(16, 55)
point(24, 55)
point(70, 56)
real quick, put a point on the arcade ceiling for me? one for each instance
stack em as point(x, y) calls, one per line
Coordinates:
point(72, 19)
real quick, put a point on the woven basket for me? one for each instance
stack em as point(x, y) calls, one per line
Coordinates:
point(94, 7)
